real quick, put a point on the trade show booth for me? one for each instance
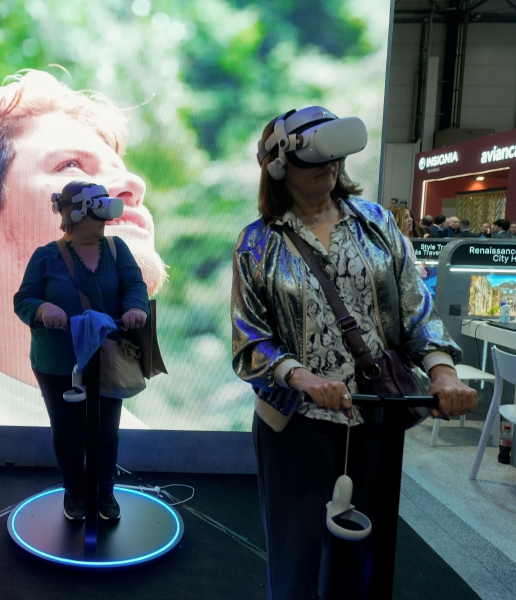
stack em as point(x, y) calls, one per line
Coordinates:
point(475, 179)
point(475, 277)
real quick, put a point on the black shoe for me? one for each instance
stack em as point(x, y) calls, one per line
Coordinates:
point(74, 504)
point(109, 510)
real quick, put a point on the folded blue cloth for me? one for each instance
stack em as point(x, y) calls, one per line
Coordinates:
point(89, 330)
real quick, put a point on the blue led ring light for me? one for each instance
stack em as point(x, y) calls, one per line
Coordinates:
point(178, 532)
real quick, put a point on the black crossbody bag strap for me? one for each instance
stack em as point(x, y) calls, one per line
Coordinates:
point(67, 257)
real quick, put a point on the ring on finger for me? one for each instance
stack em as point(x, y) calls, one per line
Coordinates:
point(345, 397)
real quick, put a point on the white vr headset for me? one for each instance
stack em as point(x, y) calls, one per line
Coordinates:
point(90, 199)
point(312, 136)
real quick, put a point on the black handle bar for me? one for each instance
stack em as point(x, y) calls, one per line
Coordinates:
point(390, 399)
point(117, 322)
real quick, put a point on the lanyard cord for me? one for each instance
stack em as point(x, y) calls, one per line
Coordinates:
point(347, 448)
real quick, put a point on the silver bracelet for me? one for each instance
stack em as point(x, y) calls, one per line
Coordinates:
point(289, 374)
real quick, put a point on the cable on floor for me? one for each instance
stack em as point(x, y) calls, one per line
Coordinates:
point(160, 490)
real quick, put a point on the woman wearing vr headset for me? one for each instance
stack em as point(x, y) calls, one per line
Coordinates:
point(303, 416)
point(48, 297)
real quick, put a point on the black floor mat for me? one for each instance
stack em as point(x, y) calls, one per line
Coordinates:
point(211, 562)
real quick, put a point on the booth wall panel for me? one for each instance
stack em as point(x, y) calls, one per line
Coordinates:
point(404, 63)
point(398, 166)
point(491, 34)
point(406, 44)
point(498, 117)
point(491, 76)
point(143, 450)
point(481, 95)
point(399, 76)
point(489, 90)
point(483, 55)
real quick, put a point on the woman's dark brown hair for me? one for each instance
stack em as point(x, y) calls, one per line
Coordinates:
point(417, 229)
point(274, 198)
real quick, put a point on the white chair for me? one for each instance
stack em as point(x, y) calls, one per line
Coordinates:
point(466, 374)
point(505, 369)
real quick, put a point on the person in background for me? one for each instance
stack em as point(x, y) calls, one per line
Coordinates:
point(485, 231)
point(427, 222)
point(512, 229)
point(440, 223)
point(48, 297)
point(436, 227)
point(453, 229)
point(464, 229)
point(501, 229)
point(417, 230)
point(404, 221)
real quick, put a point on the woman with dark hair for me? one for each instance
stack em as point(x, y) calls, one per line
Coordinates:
point(328, 337)
point(313, 311)
point(417, 231)
point(313, 362)
point(302, 419)
point(333, 362)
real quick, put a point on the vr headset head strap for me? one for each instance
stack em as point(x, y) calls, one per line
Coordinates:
point(278, 137)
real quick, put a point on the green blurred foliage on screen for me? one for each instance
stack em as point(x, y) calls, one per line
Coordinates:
point(199, 80)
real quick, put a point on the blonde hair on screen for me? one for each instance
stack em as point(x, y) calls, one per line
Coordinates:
point(31, 93)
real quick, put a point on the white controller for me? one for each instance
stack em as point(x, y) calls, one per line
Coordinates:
point(78, 393)
point(340, 505)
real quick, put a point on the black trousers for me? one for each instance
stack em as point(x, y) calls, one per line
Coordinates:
point(68, 425)
point(297, 471)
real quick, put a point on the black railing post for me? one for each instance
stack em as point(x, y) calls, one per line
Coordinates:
point(390, 463)
point(92, 436)
point(387, 500)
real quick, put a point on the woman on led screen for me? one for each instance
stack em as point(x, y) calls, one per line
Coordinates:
point(49, 136)
point(303, 414)
point(47, 299)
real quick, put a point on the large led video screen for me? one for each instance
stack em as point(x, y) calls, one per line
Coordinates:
point(196, 81)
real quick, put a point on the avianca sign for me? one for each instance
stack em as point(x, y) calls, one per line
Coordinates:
point(497, 154)
point(439, 159)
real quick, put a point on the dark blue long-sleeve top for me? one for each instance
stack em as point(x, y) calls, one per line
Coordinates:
point(113, 288)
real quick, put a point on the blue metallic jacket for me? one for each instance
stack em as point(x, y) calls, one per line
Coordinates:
point(269, 303)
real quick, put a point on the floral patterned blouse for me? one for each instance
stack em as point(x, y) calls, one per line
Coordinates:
point(328, 355)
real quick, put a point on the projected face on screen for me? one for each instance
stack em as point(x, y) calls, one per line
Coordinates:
point(52, 150)
point(43, 148)
point(193, 84)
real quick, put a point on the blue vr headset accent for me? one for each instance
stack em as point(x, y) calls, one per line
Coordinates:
point(90, 199)
point(312, 136)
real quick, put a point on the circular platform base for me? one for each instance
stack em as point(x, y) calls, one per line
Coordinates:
point(148, 528)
